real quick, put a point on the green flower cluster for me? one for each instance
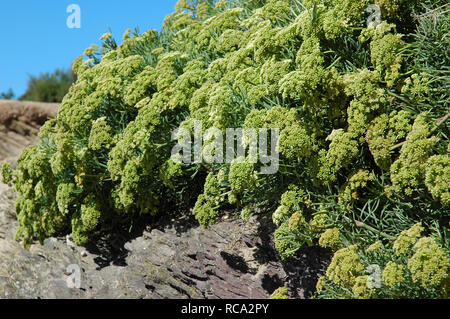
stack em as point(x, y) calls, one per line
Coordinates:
point(296, 226)
point(342, 150)
point(345, 267)
point(393, 274)
point(406, 239)
point(280, 293)
point(37, 207)
point(384, 132)
point(205, 209)
point(356, 182)
point(407, 172)
point(100, 136)
point(430, 265)
point(7, 174)
point(437, 175)
point(330, 238)
point(284, 243)
point(411, 266)
point(290, 203)
point(361, 288)
point(384, 49)
point(242, 175)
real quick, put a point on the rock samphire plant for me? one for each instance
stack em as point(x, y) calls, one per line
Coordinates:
point(361, 106)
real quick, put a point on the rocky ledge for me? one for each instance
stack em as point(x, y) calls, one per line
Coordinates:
point(19, 125)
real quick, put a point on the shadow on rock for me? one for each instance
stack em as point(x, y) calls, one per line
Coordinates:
point(301, 271)
point(304, 269)
point(235, 262)
point(266, 251)
point(109, 242)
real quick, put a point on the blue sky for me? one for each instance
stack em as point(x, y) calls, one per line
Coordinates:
point(35, 38)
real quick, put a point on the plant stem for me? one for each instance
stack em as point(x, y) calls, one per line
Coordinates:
point(362, 225)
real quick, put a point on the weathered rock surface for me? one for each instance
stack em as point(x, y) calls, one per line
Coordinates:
point(174, 259)
point(177, 259)
point(19, 125)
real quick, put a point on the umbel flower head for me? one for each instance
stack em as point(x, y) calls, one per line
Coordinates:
point(430, 265)
point(285, 246)
point(343, 148)
point(384, 132)
point(393, 274)
point(361, 289)
point(407, 172)
point(437, 176)
point(345, 267)
point(376, 246)
point(330, 238)
point(242, 175)
point(407, 239)
point(296, 220)
point(290, 203)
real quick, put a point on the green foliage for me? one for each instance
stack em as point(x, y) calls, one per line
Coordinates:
point(412, 267)
point(280, 293)
point(362, 113)
point(407, 172)
point(437, 175)
point(7, 174)
point(8, 95)
point(49, 87)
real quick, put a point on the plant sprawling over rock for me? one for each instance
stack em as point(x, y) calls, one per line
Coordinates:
point(361, 110)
